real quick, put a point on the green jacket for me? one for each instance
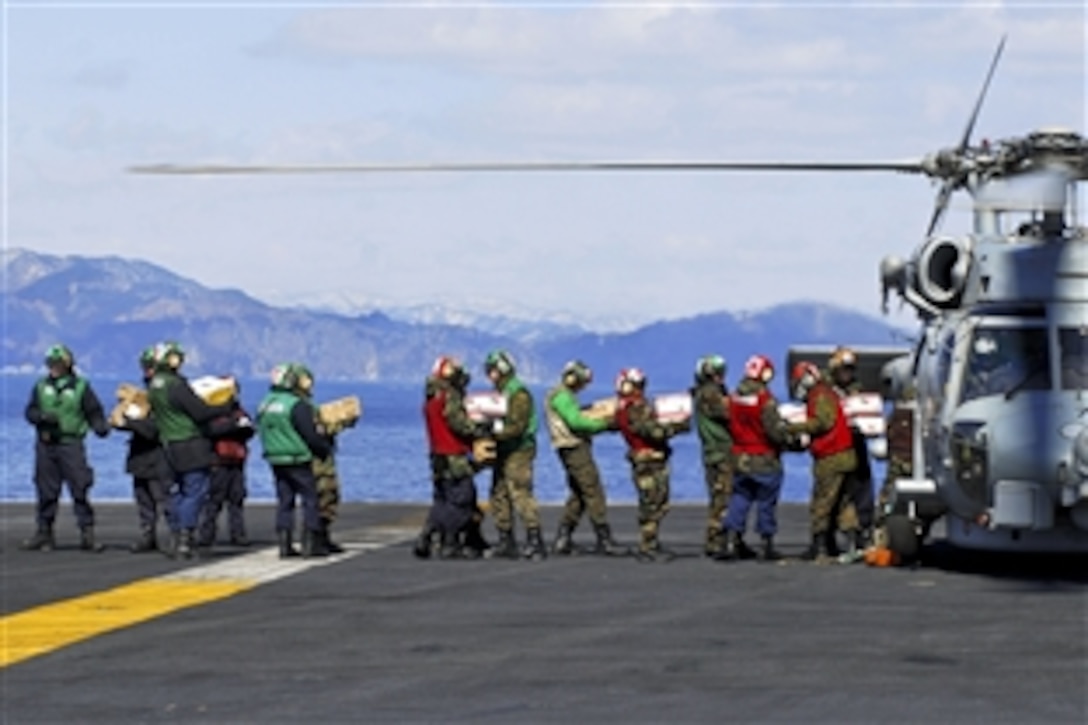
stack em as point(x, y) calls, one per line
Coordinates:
point(281, 441)
point(62, 398)
point(567, 426)
point(711, 403)
point(520, 424)
point(174, 424)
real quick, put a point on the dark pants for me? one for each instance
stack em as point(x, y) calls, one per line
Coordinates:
point(150, 495)
point(55, 464)
point(860, 485)
point(763, 490)
point(228, 487)
point(187, 496)
point(454, 510)
point(291, 482)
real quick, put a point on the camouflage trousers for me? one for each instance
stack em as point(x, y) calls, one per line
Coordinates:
point(652, 483)
point(897, 468)
point(719, 488)
point(831, 496)
point(328, 487)
point(584, 481)
point(512, 490)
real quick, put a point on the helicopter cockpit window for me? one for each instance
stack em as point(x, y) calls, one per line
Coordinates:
point(1073, 342)
point(1006, 359)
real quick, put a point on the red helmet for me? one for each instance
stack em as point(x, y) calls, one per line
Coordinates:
point(629, 380)
point(803, 376)
point(759, 367)
point(446, 367)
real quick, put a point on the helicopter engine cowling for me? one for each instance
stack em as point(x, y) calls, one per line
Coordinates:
point(941, 268)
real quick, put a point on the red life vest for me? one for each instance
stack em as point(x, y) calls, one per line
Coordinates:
point(746, 424)
point(635, 442)
point(440, 437)
point(839, 438)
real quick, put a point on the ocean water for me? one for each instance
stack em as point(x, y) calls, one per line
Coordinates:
point(383, 458)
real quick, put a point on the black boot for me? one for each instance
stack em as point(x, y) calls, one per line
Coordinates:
point(817, 549)
point(831, 543)
point(326, 539)
point(855, 548)
point(287, 545)
point(534, 548)
point(312, 545)
point(768, 552)
point(42, 540)
point(87, 542)
point(422, 548)
point(475, 543)
point(147, 542)
point(606, 545)
point(451, 546)
point(563, 544)
point(730, 550)
point(186, 545)
point(743, 550)
point(506, 548)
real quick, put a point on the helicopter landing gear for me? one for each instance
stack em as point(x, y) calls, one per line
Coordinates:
point(903, 537)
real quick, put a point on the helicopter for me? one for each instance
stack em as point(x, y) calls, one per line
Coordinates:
point(998, 410)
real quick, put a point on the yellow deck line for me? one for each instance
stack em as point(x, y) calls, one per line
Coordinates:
point(49, 627)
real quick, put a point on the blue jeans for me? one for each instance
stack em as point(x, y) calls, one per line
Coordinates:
point(187, 497)
point(763, 489)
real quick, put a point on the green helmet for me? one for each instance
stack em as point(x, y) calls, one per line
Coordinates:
point(147, 357)
point(284, 377)
point(169, 355)
point(709, 366)
point(59, 354)
point(304, 378)
point(581, 373)
point(501, 361)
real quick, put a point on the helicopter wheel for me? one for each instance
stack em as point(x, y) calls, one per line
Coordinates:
point(903, 539)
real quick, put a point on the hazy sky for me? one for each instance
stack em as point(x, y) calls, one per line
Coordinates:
point(94, 87)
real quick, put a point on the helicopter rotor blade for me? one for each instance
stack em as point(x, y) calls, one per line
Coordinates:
point(939, 206)
point(954, 181)
point(908, 166)
point(981, 96)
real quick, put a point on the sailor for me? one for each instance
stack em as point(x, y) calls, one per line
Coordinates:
point(62, 408)
point(900, 437)
point(571, 430)
point(230, 435)
point(759, 435)
point(326, 477)
point(450, 434)
point(181, 415)
point(842, 369)
point(648, 451)
point(286, 423)
point(146, 463)
point(833, 462)
point(711, 405)
point(512, 479)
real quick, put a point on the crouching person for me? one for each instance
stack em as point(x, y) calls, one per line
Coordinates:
point(291, 441)
point(450, 434)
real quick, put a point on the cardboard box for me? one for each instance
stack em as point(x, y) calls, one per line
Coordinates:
point(604, 409)
point(864, 411)
point(485, 406)
point(215, 389)
point(673, 407)
point(342, 411)
point(132, 403)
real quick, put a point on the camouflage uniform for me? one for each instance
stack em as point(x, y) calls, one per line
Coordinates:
point(860, 483)
point(831, 496)
point(454, 506)
point(512, 480)
point(711, 403)
point(650, 471)
point(900, 448)
point(328, 481)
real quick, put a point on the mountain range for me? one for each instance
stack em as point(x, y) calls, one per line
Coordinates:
point(107, 309)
